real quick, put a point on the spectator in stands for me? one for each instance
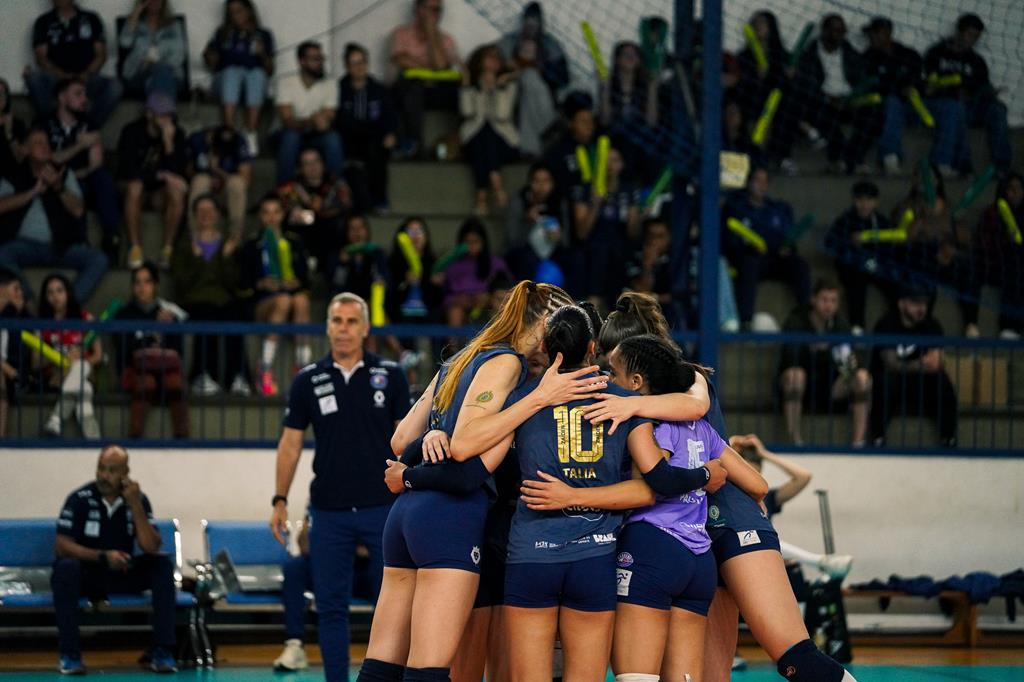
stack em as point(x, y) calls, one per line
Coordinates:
point(922, 222)
point(12, 131)
point(413, 297)
point(69, 42)
point(73, 380)
point(756, 84)
point(306, 103)
point(831, 77)
point(543, 72)
point(241, 52)
point(419, 51)
point(578, 141)
point(467, 278)
point(79, 147)
point(543, 257)
point(152, 159)
point(897, 69)
point(13, 358)
point(909, 378)
point(219, 162)
point(629, 105)
point(648, 270)
point(823, 375)
point(998, 259)
point(99, 528)
point(865, 250)
point(156, 51)
point(756, 242)
point(274, 268)
point(488, 132)
point(41, 224)
point(316, 203)
point(205, 273)
point(736, 134)
point(603, 229)
point(961, 95)
point(368, 122)
point(359, 263)
point(150, 362)
point(537, 200)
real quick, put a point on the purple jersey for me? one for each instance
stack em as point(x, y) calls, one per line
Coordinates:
point(692, 444)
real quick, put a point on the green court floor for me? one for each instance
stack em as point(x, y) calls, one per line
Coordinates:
point(757, 673)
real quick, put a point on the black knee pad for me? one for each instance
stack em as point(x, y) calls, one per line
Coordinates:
point(804, 663)
point(427, 675)
point(373, 670)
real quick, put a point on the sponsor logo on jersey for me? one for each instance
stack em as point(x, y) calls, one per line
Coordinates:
point(625, 559)
point(600, 538)
point(379, 381)
point(320, 378)
point(748, 537)
point(323, 389)
point(475, 555)
point(379, 399)
point(622, 579)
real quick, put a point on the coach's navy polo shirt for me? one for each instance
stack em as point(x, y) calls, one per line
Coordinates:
point(352, 424)
point(91, 522)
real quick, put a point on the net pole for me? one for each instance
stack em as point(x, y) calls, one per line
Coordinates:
point(711, 142)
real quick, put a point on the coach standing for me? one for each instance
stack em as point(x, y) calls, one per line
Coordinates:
point(353, 400)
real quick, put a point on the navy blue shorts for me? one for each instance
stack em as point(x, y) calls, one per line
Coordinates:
point(430, 529)
point(658, 571)
point(584, 585)
point(495, 551)
point(727, 543)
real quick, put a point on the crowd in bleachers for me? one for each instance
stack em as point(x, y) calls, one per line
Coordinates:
point(585, 217)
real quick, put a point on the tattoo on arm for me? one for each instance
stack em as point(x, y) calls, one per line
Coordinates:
point(484, 397)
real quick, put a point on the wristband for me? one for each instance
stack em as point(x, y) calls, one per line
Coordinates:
point(707, 473)
point(278, 498)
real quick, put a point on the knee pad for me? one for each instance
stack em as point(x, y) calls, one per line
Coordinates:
point(804, 663)
point(373, 670)
point(427, 675)
point(637, 677)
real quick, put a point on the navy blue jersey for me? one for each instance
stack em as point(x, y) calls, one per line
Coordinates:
point(87, 519)
point(445, 421)
point(560, 442)
point(730, 507)
point(353, 420)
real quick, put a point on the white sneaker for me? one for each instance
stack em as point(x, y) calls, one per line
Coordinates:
point(836, 565)
point(52, 427)
point(252, 140)
point(409, 358)
point(239, 386)
point(91, 428)
point(891, 164)
point(731, 326)
point(857, 330)
point(1009, 335)
point(204, 385)
point(971, 331)
point(293, 657)
point(788, 167)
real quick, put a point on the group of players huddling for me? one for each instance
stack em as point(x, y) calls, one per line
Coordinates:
point(543, 500)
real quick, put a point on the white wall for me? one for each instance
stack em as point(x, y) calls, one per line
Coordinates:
point(906, 515)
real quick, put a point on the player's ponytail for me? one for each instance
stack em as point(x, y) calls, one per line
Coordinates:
point(526, 304)
point(658, 362)
point(569, 331)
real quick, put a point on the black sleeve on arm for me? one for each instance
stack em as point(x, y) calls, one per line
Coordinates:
point(666, 479)
point(449, 477)
point(413, 453)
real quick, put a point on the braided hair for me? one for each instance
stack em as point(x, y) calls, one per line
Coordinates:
point(568, 331)
point(659, 362)
point(635, 313)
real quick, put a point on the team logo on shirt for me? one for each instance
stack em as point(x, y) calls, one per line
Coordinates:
point(625, 559)
point(713, 512)
point(475, 555)
point(378, 399)
point(379, 381)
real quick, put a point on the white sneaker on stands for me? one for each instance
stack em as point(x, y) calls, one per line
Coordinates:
point(204, 385)
point(293, 657)
point(252, 141)
point(837, 566)
point(239, 386)
point(891, 164)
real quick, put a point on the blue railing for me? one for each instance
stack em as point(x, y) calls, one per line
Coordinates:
point(986, 401)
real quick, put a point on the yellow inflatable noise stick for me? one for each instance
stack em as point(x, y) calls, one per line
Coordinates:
point(755, 47)
point(747, 235)
point(409, 253)
point(595, 51)
point(1010, 220)
point(432, 74)
point(34, 342)
point(377, 317)
point(922, 111)
point(604, 145)
point(764, 122)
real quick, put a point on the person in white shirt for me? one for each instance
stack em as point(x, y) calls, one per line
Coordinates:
point(306, 103)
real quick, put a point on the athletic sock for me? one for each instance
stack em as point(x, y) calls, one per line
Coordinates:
point(803, 662)
point(373, 670)
point(269, 351)
point(303, 355)
point(637, 677)
point(427, 675)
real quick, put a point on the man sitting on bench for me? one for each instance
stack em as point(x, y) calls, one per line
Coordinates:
point(97, 531)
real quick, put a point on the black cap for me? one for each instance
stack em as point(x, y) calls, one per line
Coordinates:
point(916, 292)
point(865, 188)
point(877, 23)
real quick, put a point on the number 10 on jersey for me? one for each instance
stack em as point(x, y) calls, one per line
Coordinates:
point(570, 440)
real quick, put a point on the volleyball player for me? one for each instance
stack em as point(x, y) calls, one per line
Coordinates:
point(752, 576)
point(432, 539)
point(560, 573)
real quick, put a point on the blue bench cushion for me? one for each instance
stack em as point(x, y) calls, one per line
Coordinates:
point(248, 542)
